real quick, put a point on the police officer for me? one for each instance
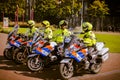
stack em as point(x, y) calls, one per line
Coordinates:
point(89, 37)
point(48, 34)
point(64, 26)
point(32, 29)
point(61, 31)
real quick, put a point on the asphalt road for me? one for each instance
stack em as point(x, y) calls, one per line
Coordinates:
point(11, 71)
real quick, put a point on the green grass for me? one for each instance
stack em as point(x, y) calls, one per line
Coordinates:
point(22, 30)
point(112, 40)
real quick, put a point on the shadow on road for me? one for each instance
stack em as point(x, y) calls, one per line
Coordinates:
point(47, 74)
point(51, 73)
point(10, 65)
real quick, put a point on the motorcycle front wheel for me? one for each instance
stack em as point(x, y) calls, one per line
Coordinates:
point(8, 54)
point(34, 65)
point(66, 70)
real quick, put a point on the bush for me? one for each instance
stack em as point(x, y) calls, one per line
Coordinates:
point(21, 24)
point(6, 31)
point(1, 29)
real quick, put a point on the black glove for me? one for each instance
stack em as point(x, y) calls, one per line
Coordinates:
point(47, 39)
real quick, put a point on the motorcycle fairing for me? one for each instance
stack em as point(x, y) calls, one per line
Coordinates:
point(12, 37)
point(78, 56)
point(40, 43)
point(17, 43)
point(29, 43)
point(8, 46)
point(11, 43)
point(44, 51)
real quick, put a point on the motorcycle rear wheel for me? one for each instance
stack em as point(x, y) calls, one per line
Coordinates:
point(95, 68)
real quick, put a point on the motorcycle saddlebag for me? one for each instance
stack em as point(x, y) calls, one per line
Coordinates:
point(103, 54)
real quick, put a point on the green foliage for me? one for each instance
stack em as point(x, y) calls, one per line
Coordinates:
point(10, 6)
point(21, 24)
point(5, 30)
point(56, 8)
point(69, 7)
point(1, 29)
point(22, 30)
point(98, 9)
point(43, 9)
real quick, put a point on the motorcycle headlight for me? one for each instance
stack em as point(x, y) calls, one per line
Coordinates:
point(67, 40)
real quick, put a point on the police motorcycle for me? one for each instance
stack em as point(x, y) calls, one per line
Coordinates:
point(77, 59)
point(13, 41)
point(48, 55)
point(41, 57)
point(21, 53)
point(12, 45)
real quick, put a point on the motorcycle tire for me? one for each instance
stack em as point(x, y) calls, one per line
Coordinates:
point(95, 68)
point(17, 56)
point(8, 54)
point(66, 71)
point(31, 64)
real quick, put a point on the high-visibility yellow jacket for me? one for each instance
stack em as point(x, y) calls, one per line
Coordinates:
point(48, 33)
point(89, 38)
point(59, 35)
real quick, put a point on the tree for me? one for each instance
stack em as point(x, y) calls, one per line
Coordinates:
point(9, 7)
point(98, 10)
point(56, 9)
point(44, 9)
point(52, 10)
point(69, 9)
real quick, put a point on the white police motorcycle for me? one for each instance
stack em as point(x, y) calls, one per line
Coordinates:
point(74, 62)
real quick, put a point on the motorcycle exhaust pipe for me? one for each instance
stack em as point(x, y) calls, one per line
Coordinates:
point(103, 54)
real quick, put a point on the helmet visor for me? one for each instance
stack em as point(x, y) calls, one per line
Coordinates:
point(85, 28)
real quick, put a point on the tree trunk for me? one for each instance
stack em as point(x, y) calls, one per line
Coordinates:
point(97, 24)
point(101, 24)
